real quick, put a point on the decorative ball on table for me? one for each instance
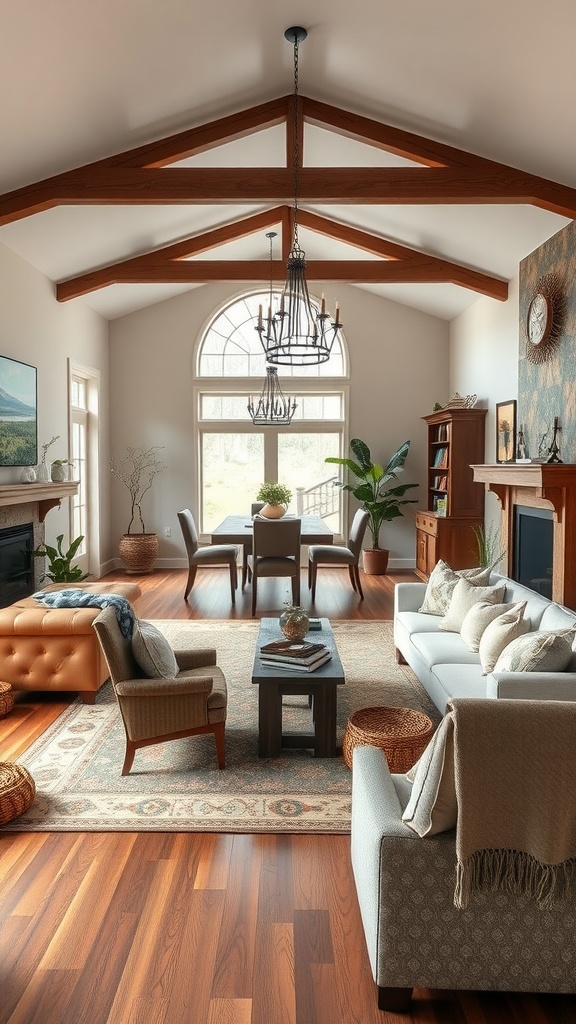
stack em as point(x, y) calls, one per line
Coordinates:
point(294, 623)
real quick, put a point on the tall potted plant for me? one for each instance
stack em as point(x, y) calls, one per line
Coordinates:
point(382, 501)
point(137, 470)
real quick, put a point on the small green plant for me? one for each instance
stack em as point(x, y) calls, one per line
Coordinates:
point(274, 494)
point(490, 550)
point(60, 568)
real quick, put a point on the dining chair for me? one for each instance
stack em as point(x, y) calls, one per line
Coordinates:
point(276, 552)
point(255, 508)
point(210, 554)
point(330, 554)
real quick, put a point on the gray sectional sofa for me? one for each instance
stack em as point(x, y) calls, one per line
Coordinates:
point(447, 668)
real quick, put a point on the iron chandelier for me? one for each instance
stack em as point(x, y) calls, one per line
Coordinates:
point(272, 408)
point(297, 334)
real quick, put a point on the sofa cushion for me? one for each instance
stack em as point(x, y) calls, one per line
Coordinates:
point(432, 807)
point(443, 648)
point(458, 681)
point(152, 652)
point(477, 618)
point(499, 633)
point(441, 584)
point(543, 652)
point(464, 596)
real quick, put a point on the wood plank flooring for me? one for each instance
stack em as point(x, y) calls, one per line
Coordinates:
point(168, 928)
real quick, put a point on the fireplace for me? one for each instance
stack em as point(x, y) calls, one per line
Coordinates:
point(16, 563)
point(532, 560)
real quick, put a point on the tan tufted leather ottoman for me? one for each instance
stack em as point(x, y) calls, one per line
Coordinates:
point(56, 648)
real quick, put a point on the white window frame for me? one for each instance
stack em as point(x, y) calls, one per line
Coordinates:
point(90, 560)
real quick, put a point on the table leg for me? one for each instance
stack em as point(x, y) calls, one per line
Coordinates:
point(325, 721)
point(269, 720)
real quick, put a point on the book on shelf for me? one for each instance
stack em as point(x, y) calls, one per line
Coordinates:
point(292, 648)
point(295, 664)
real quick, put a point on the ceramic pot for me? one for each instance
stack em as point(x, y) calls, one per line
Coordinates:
point(294, 623)
point(272, 511)
point(375, 561)
point(138, 551)
point(58, 472)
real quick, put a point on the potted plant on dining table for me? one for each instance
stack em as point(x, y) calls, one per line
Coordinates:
point(276, 498)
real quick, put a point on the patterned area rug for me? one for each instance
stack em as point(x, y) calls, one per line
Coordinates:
point(177, 786)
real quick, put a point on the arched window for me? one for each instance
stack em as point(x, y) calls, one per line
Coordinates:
point(235, 457)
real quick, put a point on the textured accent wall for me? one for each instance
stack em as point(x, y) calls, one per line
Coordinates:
point(548, 389)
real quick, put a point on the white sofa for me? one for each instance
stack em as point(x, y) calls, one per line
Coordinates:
point(447, 668)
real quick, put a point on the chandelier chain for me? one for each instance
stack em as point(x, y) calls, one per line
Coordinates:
point(296, 147)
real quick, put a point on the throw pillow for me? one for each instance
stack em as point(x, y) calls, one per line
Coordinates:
point(152, 652)
point(499, 633)
point(477, 619)
point(441, 585)
point(537, 652)
point(432, 806)
point(464, 596)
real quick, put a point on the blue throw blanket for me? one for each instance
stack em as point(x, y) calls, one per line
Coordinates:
point(76, 598)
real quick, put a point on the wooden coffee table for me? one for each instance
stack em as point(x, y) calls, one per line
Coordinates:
point(320, 685)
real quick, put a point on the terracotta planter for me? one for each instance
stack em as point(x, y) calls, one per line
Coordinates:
point(273, 511)
point(138, 551)
point(375, 561)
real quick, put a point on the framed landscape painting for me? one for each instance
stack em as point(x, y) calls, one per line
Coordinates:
point(506, 431)
point(18, 422)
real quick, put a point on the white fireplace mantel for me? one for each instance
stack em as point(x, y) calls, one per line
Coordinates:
point(47, 496)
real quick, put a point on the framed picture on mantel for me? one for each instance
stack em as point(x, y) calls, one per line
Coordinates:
point(506, 431)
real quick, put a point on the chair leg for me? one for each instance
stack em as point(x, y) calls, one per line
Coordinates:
point(296, 589)
point(190, 581)
point(129, 756)
point(220, 737)
point(233, 580)
point(352, 576)
point(395, 1000)
point(313, 569)
point(254, 586)
point(358, 583)
point(244, 566)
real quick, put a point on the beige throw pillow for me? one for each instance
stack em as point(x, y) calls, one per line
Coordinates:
point(478, 618)
point(537, 652)
point(153, 652)
point(499, 633)
point(441, 585)
point(432, 806)
point(464, 596)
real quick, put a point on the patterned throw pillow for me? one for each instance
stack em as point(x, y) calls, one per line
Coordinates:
point(441, 585)
point(537, 652)
point(478, 618)
point(464, 596)
point(153, 652)
point(499, 633)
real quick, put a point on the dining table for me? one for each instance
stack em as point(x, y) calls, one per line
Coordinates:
point(236, 529)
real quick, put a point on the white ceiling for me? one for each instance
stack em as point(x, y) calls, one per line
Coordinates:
point(85, 80)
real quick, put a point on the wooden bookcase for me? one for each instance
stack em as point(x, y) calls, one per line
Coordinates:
point(455, 443)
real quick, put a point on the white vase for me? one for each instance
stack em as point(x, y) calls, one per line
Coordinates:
point(58, 472)
point(42, 473)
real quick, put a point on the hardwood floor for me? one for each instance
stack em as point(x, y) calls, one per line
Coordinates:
point(168, 928)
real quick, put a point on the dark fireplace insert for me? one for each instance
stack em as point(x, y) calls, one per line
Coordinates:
point(16, 563)
point(533, 548)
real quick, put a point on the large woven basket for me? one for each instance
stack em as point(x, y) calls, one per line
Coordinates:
point(17, 791)
point(401, 733)
point(6, 699)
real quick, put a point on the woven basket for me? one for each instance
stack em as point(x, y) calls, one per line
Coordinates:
point(17, 791)
point(401, 733)
point(138, 551)
point(6, 699)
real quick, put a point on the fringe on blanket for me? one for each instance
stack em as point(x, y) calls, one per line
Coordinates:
point(515, 872)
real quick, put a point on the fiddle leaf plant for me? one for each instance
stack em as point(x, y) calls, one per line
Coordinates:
point(60, 568)
point(381, 501)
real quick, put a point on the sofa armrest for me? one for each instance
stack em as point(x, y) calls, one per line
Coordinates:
point(531, 685)
point(408, 597)
point(195, 658)
point(165, 687)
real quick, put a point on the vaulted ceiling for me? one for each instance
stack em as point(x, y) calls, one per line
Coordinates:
point(152, 157)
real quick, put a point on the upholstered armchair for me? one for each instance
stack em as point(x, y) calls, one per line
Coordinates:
point(189, 697)
point(425, 925)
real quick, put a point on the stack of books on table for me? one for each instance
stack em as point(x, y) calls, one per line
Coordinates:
point(294, 654)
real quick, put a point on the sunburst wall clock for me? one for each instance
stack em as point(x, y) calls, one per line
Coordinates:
point(545, 318)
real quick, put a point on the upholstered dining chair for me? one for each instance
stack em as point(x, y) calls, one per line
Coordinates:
point(247, 545)
point(275, 552)
point(190, 700)
point(210, 554)
point(329, 554)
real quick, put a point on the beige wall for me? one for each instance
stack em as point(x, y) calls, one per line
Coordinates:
point(399, 365)
point(38, 330)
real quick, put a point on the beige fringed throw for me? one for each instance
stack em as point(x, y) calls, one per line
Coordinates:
point(515, 772)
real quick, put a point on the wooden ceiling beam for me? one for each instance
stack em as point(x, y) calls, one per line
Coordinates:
point(149, 271)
